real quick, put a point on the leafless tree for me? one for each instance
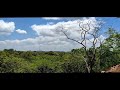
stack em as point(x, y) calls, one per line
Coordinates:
point(86, 29)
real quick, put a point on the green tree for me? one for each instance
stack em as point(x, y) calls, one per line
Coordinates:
point(110, 49)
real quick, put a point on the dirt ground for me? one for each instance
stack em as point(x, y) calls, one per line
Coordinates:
point(114, 69)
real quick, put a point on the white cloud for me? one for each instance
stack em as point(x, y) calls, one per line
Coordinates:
point(72, 27)
point(51, 18)
point(21, 31)
point(44, 30)
point(6, 28)
point(42, 43)
point(61, 18)
point(50, 23)
point(50, 38)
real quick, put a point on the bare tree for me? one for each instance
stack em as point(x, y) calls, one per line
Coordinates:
point(86, 29)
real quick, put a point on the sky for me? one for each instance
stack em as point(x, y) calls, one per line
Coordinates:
point(44, 33)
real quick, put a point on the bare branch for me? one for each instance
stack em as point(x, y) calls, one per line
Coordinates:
point(92, 30)
point(73, 39)
point(87, 66)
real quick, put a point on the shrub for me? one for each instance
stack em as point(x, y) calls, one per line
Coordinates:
point(73, 66)
point(45, 69)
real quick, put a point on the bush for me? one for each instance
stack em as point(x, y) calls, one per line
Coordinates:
point(45, 69)
point(73, 66)
point(14, 65)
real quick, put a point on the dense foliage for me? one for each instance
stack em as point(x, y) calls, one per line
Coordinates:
point(108, 54)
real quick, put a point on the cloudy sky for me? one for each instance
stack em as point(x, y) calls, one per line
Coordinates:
point(44, 33)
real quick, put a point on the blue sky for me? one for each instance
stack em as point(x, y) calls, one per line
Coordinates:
point(26, 24)
point(111, 22)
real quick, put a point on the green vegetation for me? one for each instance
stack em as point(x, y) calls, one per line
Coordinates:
point(107, 55)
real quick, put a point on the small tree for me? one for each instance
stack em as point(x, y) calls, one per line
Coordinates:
point(110, 49)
